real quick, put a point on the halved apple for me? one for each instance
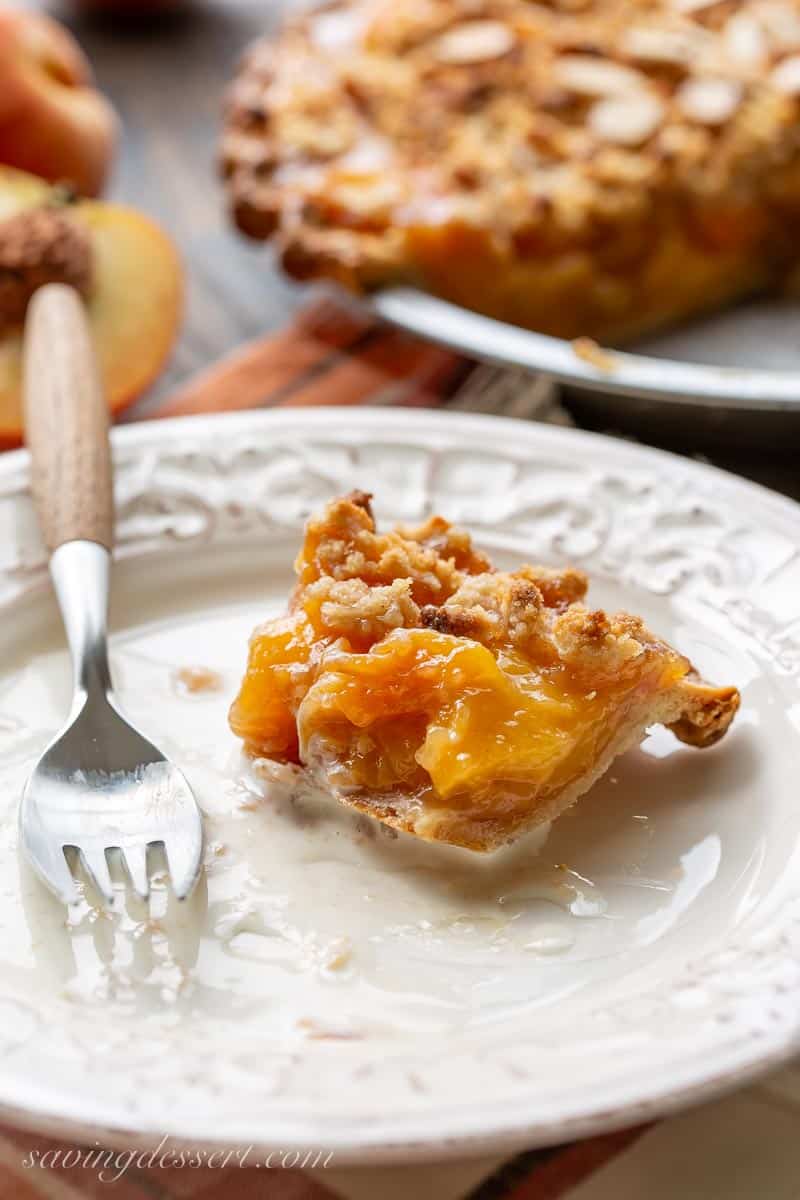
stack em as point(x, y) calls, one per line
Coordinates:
point(134, 298)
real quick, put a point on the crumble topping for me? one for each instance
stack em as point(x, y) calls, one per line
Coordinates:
point(527, 130)
point(39, 246)
point(447, 542)
point(492, 608)
point(448, 699)
point(360, 585)
point(594, 642)
point(343, 544)
point(560, 586)
point(588, 350)
point(196, 680)
point(351, 608)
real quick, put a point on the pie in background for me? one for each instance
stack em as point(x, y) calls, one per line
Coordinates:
point(579, 167)
point(448, 699)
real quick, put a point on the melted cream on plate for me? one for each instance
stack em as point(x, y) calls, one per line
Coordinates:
point(313, 920)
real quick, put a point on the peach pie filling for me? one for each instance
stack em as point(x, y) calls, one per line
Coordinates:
point(449, 699)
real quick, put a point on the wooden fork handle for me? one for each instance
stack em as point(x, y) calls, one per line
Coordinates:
point(66, 422)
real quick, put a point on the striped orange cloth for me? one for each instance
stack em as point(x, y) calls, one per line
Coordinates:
point(328, 355)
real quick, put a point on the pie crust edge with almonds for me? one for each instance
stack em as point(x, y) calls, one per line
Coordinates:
point(580, 167)
point(448, 699)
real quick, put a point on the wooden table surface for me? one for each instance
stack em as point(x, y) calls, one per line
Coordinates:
point(166, 77)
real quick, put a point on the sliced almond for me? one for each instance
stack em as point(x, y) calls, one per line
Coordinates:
point(337, 30)
point(694, 6)
point(626, 120)
point(709, 101)
point(745, 42)
point(590, 76)
point(782, 23)
point(672, 47)
point(474, 42)
point(588, 349)
point(370, 153)
point(786, 76)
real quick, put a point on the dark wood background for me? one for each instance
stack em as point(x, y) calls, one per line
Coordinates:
point(166, 75)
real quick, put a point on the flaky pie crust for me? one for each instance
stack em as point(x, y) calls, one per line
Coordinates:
point(449, 699)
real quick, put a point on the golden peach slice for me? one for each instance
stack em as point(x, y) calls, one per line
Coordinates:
point(134, 298)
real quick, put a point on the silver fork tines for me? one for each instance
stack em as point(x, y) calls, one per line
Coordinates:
point(100, 786)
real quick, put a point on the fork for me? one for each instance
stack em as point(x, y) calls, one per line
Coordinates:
point(100, 786)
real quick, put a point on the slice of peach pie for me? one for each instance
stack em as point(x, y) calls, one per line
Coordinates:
point(580, 167)
point(446, 698)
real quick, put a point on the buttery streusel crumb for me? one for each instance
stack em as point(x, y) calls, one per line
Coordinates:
point(351, 608)
point(196, 680)
point(546, 163)
point(343, 544)
point(448, 699)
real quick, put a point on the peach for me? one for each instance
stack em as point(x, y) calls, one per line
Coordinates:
point(53, 121)
point(126, 267)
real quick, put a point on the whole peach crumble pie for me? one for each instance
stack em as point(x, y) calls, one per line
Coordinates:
point(449, 699)
point(581, 167)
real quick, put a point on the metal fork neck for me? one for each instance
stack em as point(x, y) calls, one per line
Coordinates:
point(80, 572)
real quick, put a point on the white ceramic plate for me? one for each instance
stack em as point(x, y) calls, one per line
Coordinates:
point(744, 359)
point(330, 985)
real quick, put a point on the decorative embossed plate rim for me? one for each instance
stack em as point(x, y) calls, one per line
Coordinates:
point(190, 480)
